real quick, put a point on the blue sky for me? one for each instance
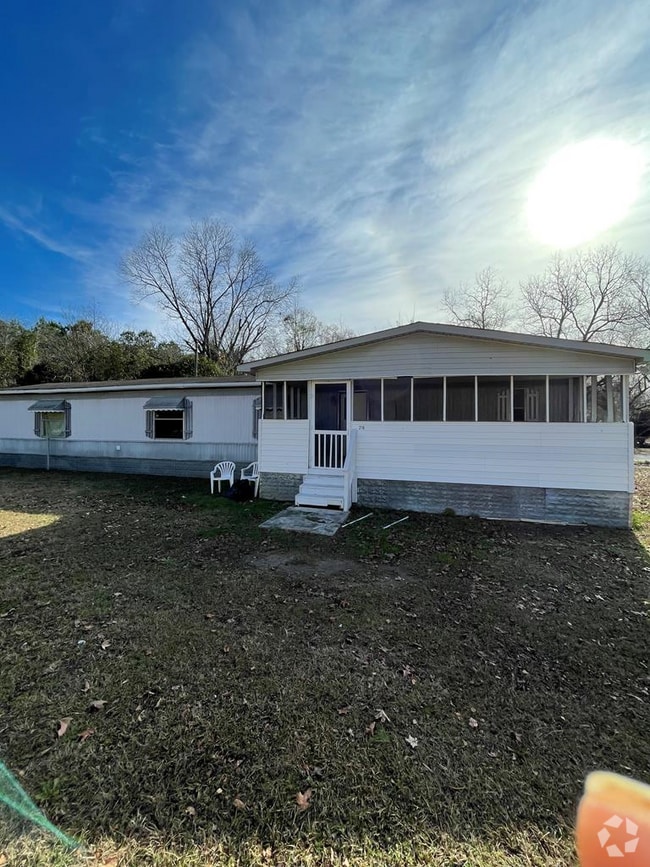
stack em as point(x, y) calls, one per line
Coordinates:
point(380, 150)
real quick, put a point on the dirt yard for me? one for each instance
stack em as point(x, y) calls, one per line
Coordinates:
point(179, 686)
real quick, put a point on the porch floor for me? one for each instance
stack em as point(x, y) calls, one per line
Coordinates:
point(302, 519)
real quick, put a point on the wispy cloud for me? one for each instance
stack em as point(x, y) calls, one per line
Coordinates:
point(27, 226)
point(382, 150)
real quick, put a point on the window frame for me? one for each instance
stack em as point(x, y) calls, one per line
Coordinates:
point(39, 426)
point(184, 406)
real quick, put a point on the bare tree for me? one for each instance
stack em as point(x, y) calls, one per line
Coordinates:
point(486, 304)
point(300, 328)
point(640, 294)
point(589, 295)
point(214, 286)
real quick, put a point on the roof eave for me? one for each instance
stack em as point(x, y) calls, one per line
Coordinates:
point(49, 388)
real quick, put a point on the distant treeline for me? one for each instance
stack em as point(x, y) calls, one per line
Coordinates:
point(83, 352)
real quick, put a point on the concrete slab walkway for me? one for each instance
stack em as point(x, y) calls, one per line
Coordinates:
point(301, 519)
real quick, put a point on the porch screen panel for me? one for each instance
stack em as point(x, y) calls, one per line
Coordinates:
point(617, 398)
point(565, 398)
point(494, 398)
point(367, 400)
point(460, 398)
point(397, 399)
point(427, 399)
point(296, 400)
point(605, 398)
point(274, 400)
point(529, 401)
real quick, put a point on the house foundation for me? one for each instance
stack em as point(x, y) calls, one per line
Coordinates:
point(562, 505)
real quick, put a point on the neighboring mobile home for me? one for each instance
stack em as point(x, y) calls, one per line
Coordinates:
point(432, 417)
point(178, 427)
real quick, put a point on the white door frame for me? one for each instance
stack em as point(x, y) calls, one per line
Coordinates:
point(311, 412)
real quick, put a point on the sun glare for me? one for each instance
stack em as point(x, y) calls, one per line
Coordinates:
point(584, 189)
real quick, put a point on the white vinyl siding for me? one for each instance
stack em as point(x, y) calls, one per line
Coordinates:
point(594, 457)
point(284, 446)
point(437, 355)
point(597, 457)
point(218, 416)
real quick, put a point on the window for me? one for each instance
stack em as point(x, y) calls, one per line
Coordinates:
point(427, 399)
point(168, 418)
point(494, 398)
point(397, 399)
point(460, 398)
point(565, 398)
point(296, 400)
point(529, 398)
point(52, 418)
point(273, 400)
point(367, 400)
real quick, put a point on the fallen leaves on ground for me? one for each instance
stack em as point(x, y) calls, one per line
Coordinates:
point(85, 734)
point(411, 741)
point(303, 800)
point(98, 704)
point(63, 726)
point(238, 804)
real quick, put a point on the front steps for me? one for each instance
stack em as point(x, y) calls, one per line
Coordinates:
point(320, 489)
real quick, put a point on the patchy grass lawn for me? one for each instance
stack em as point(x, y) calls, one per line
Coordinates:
point(430, 694)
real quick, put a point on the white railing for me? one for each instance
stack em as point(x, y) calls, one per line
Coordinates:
point(330, 448)
point(350, 472)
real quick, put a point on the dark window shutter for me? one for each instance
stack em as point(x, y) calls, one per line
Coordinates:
point(149, 424)
point(257, 412)
point(187, 406)
point(37, 424)
point(68, 418)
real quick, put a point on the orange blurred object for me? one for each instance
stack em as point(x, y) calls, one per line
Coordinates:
point(613, 824)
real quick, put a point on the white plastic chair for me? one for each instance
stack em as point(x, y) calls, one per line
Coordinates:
point(251, 473)
point(222, 472)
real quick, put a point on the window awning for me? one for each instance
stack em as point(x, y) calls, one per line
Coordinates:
point(165, 403)
point(47, 406)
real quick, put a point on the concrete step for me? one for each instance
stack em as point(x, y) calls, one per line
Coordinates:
point(325, 481)
point(324, 500)
point(309, 487)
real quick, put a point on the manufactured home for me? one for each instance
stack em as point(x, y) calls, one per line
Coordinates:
point(431, 417)
point(178, 427)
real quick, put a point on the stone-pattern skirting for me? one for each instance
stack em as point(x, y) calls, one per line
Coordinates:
point(598, 508)
point(279, 486)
